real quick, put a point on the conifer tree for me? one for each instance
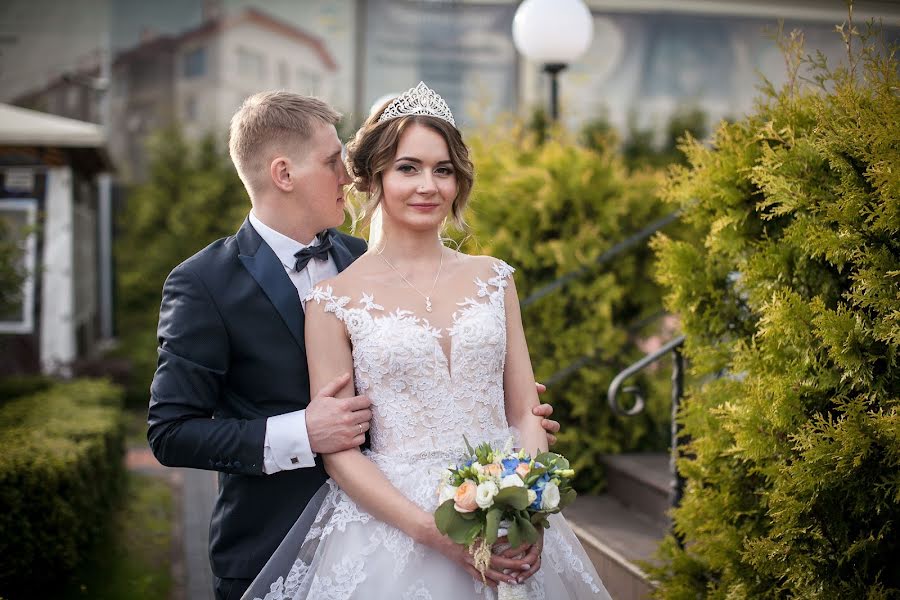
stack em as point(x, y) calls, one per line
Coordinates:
point(789, 294)
point(192, 197)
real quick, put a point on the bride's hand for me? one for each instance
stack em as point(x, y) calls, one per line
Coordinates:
point(530, 555)
point(461, 556)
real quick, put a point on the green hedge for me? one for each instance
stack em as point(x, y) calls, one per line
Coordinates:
point(790, 287)
point(61, 472)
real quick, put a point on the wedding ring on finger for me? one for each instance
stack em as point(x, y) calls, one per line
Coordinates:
point(360, 427)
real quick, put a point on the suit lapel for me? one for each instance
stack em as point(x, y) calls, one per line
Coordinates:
point(262, 263)
point(339, 252)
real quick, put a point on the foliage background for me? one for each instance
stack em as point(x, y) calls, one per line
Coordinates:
point(548, 208)
point(192, 197)
point(788, 293)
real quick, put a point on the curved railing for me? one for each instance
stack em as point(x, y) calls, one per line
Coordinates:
point(615, 388)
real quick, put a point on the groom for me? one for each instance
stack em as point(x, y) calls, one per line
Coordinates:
point(231, 390)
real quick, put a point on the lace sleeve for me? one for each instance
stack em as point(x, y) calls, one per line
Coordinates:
point(493, 288)
point(333, 304)
point(503, 273)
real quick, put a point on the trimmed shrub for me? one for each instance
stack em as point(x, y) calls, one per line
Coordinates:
point(552, 208)
point(61, 472)
point(789, 286)
point(16, 386)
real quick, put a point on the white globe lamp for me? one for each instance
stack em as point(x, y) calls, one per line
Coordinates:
point(554, 33)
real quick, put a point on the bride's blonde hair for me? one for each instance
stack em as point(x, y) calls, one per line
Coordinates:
point(372, 151)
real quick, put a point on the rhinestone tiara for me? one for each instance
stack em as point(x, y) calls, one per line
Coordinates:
point(420, 100)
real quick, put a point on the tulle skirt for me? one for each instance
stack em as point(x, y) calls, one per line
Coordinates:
point(337, 551)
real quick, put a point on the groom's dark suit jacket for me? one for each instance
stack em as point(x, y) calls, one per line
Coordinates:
point(231, 354)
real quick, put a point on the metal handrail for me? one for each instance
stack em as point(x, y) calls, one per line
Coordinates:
point(593, 358)
point(612, 396)
point(605, 257)
point(613, 392)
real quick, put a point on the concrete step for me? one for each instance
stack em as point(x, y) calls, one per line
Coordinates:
point(642, 482)
point(615, 537)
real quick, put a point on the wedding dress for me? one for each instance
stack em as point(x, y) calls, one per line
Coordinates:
point(422, 406)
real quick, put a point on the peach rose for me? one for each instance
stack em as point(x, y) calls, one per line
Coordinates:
point(522, 470)
point(464, 499)
point(493, 469)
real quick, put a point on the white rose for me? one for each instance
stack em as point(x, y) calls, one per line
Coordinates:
point(550, 497)
point(511, 480)
point(532, 496)
point(448, 492)
point(484, 494)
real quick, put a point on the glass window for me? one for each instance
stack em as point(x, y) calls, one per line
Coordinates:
point(195, 62)
point(308, 81)
point(18, 248)
point(251, 64)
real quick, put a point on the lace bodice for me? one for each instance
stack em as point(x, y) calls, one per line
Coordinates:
point(421, 401)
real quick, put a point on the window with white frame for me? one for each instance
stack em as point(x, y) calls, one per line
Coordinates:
point(195, 63)
point(309, 81)
point(251, 64)
point(18, 260)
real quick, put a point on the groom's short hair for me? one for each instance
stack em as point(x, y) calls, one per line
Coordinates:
point(268, 122)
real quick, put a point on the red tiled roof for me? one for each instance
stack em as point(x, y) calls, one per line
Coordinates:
point(264, 20)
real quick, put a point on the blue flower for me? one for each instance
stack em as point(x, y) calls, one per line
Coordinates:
point(536, 505)
point(509, 466)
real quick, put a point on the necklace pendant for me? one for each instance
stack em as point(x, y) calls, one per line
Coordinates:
point(428, 304)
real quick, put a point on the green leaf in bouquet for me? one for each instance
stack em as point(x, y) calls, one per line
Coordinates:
point(514, 534)
point(534, 475)
point(513, 497)
point(469, 447)
point(553, 459)
point(539, 518)
point(492, 524)
point(465, 532)
point(444, 515)
point(462, 528)
point(526, 529)
point(567, 497)
point(483, 453)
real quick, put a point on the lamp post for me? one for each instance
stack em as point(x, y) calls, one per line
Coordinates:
point(553, 33)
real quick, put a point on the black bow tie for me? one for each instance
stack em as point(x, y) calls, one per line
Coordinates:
point(318, 252)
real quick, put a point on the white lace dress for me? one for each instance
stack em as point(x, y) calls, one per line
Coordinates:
point(422, 406)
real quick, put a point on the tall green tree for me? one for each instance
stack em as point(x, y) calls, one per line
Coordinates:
point(789, 293)
point(192, 197)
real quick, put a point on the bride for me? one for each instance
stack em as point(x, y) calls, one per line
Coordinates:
point(434, 337)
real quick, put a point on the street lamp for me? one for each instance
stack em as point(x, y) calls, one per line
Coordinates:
point(553, 33)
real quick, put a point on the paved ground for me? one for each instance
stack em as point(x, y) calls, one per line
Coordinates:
point(196, 492)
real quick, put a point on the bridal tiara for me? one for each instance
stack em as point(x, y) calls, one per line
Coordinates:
point(420, 100)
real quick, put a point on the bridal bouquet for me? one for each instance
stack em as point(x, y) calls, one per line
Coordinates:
point(494, 490)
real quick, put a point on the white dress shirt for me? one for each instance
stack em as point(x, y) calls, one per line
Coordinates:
point(287, 441)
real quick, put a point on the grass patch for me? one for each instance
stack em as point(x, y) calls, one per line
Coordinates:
point(134, 561)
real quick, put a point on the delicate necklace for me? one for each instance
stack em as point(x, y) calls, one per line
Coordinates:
point(433, 283)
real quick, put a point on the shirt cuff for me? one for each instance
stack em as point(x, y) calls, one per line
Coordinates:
point(287, 443)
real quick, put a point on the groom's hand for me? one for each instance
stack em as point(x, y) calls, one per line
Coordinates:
point(337, 424)
point(544, 411)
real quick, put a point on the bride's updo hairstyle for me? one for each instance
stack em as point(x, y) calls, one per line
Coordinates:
point(372, 152)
